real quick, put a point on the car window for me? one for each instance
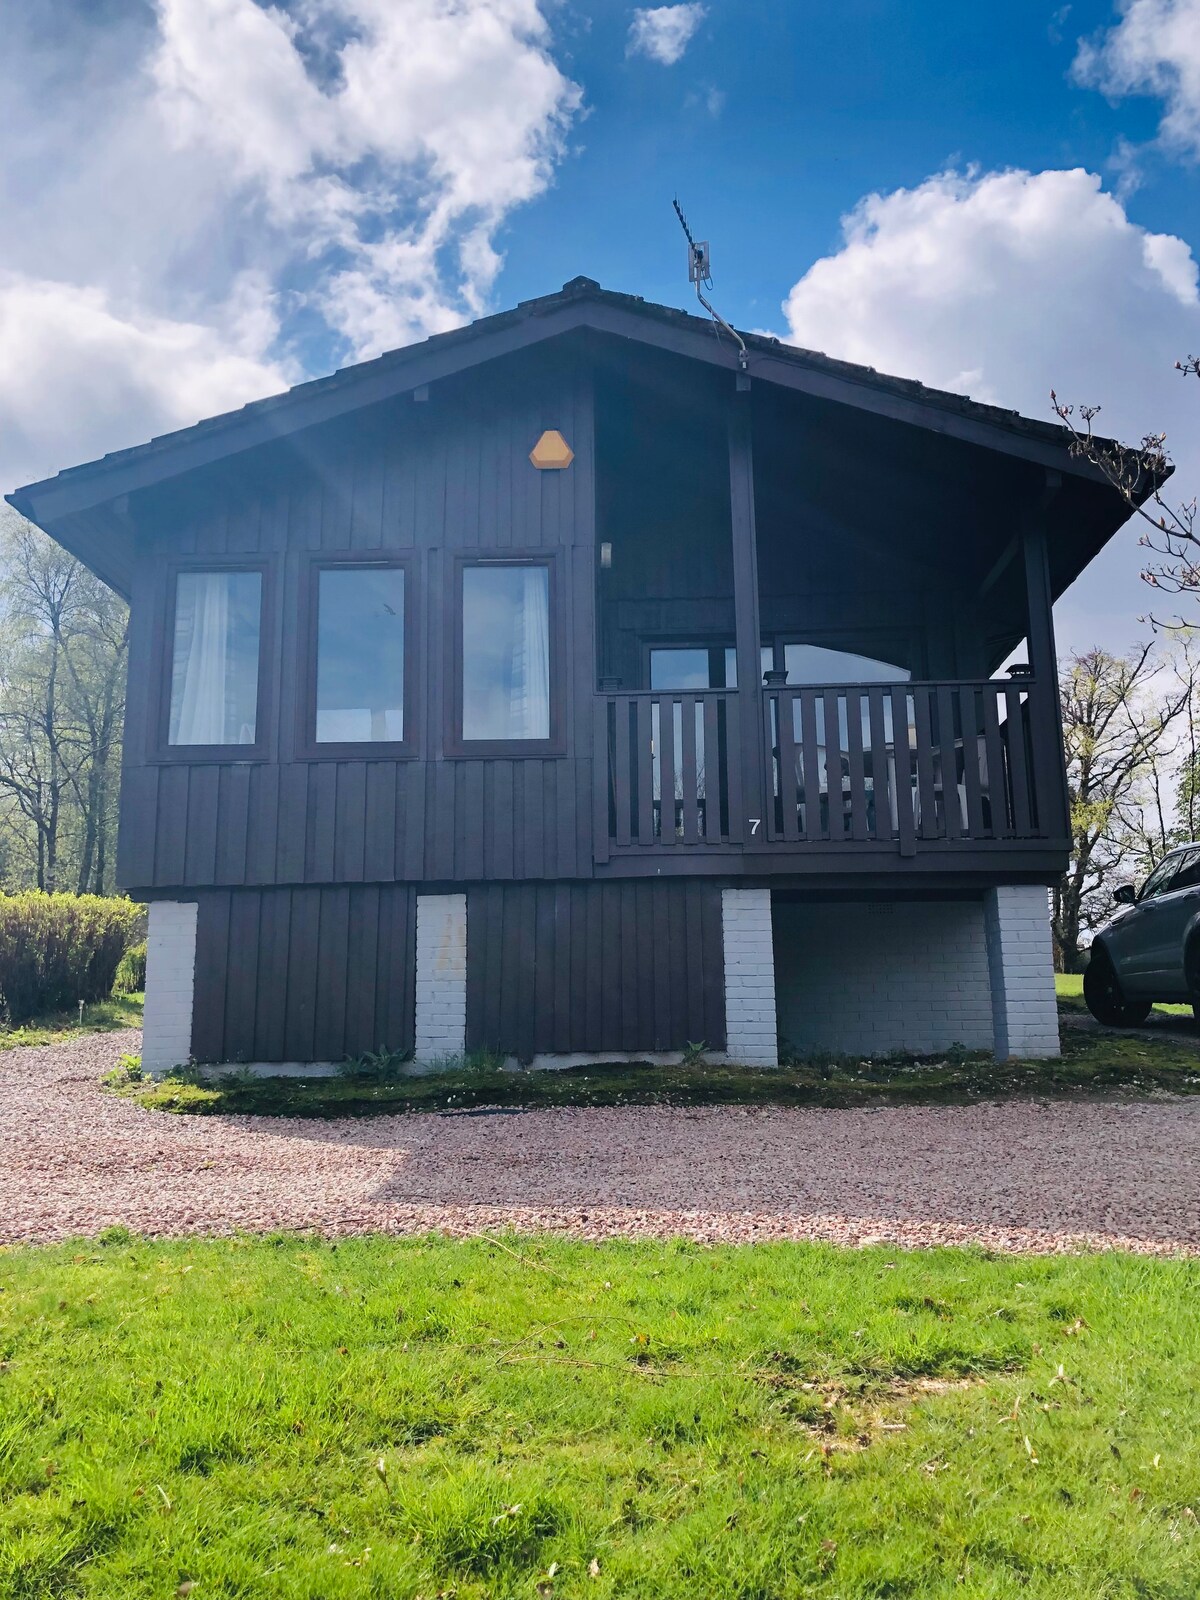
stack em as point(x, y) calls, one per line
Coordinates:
point(1188, 875)
point(1160, 879)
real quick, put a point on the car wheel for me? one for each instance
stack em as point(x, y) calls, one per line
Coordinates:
point(1104, 999)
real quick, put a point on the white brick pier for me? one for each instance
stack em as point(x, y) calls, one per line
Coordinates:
point(441, 1024)
point(170, 984)
point(750, 1026)
point(1021, 965)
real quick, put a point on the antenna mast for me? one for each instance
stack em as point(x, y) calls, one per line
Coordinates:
point(700, 274)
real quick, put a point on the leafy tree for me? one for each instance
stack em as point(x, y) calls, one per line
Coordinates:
point(63, 650)
point(1119, 722)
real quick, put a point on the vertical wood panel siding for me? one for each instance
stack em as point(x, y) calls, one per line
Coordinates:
point(594, 966)
point(304, 974)
point(445, 475)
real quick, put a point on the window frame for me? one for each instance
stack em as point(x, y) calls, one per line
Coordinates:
point(166, 753)
point(308, 747)
point(458, 748)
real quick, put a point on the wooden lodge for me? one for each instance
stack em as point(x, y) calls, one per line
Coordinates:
point(571, 685)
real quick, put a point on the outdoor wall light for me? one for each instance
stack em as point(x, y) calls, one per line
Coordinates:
point(551, 453)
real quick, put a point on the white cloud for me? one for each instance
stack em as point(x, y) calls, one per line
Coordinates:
point(663, 33)
point(1006, 285)
point(1154, 50)
point(74, 367)
point(432, 122)
point(204, 196)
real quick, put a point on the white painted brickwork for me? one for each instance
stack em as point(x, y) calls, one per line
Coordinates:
point(441, 975)
point(749, 977)
point(170, 985)
point(866, 979)
point(1021, 959)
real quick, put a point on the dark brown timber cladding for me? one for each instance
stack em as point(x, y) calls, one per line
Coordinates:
point(304, 974)
point(594, 966)
point(431, 480)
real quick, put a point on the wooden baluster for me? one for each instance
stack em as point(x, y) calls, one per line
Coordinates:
point(645, 768)
point(969, 717)
point(688, 773)
point(812, 776)
point(712, 770)
point(622, 789)
point(602, 778)
point(905, 825)
point(733, 766)
point(880, 777)
point(997, 766)
point(789, 799)
point(666, 770)
point(835, 815)
point(1018, 766)
point(854, 756)
point(948, 748)
point(930, 827)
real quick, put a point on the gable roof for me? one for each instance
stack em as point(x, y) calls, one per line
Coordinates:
point(581, 303)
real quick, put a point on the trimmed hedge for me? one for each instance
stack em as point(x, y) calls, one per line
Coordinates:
point(59, 949)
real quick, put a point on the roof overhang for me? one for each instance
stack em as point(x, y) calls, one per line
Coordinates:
point(83, 507)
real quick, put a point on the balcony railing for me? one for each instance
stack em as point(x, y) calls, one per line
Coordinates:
point(867, 765)
point(903, 763)
point(681, 745)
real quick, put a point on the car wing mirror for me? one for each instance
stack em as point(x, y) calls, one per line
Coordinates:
point(1126, 895)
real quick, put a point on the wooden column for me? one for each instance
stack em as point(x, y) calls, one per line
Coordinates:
point(1045, 718)
point(748, 631)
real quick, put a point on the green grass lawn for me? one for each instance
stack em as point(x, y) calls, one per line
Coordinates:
point(103, 1016)
point(292, 1418)
point(1093, 1062)
point(1069, 988)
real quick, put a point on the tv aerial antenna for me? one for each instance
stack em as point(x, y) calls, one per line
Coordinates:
point(700, 276)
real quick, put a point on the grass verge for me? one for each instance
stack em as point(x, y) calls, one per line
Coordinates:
point(104, 1016)
point(1069, 988)
point(1095, 1062)
point(291, 1419)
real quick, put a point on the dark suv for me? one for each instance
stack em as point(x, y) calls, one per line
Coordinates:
point(1150, 949)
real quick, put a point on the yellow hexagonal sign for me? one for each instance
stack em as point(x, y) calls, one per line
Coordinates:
point(552, 452)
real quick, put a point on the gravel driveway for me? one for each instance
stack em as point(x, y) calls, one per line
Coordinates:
point(1021, 1175)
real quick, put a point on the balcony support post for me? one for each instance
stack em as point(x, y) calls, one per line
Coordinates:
point(1045, 719)
point(746, 616)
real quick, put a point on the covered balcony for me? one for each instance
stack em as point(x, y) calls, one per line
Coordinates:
point(824, 638)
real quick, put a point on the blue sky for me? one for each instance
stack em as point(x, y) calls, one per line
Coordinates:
point(205, 200)
point(819, 105)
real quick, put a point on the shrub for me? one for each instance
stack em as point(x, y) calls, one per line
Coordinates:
point(131, 971)
point(59, 949)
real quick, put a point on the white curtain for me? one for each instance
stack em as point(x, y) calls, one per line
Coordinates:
point(198, 690)
point(529, 700)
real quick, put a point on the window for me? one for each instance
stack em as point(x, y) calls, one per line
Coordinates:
point(505, 652)
point(1160, 879)
point(814, 663)
point(215, 658)
point(1188, 876)
point(688, 668)
point(360, 655)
